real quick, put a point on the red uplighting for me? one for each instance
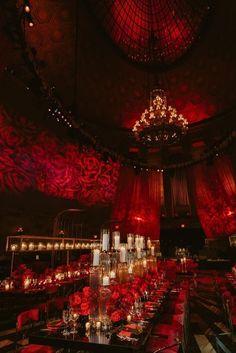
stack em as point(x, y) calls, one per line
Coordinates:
point(139, 219)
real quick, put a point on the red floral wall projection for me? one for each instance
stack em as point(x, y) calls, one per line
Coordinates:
point(215, 198)
point(32, 158)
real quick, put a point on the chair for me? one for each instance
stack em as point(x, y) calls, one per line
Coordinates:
point(25, 321)
point(160, 344)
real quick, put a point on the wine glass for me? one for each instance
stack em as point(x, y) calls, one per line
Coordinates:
point(66, 319)
point(74, 317)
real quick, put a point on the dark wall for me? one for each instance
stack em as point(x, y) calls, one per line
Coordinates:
point(191, 238)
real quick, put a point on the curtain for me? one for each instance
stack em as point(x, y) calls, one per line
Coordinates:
point(214, 192)
point(137, 203)
point(180, 203)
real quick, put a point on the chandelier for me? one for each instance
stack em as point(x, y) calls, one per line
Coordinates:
point(160, 124)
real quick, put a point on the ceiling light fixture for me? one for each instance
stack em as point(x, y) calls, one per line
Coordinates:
point(160, 124)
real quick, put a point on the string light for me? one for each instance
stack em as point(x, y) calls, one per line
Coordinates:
point(66, 117)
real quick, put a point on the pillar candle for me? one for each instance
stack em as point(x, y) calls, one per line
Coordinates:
point(105, 280)
point(116, 241)
point(149, 243)
point(141, 242)
point(139, 253)
point(129, 242)
point(105, 242)
point(137, 241)
point(122, 254)
point(96, 253)
point(152, 250)
point(112, 274)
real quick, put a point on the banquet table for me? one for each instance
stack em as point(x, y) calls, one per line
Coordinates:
point(99, 342)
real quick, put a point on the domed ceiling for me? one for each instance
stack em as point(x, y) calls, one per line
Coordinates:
point(79, 44)
point(152, 32)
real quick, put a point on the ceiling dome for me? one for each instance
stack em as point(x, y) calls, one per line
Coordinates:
point(152, 31)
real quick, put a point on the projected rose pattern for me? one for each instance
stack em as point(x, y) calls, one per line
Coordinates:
point(34, 159)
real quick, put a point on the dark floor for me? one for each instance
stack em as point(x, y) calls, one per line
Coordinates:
point(206, 315)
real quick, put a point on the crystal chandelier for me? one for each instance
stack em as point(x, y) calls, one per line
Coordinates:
point(160, 124)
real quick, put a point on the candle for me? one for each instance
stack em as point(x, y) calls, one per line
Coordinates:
point(149, 243)
point(87, 326)
point(56, 246)
point(138, 253)
point(105, 241)
point(67, 246)
point(105, 280)
point(129, 318)
point(141, 242)
point(122, 254)
point(14, 247)
point(116, 240)
point(130, 269)
point(137, 241)
point(152, 250)
point(96, 253)
point(62, 246)
point(77, 245)
point(23, 246)
point(40, 246)
point(144, 263)
point(31, 246)
point(7, 286)
point(26, 283)
point(112, 274)
point(49, 246)
point(129, 242)
point(98, 325)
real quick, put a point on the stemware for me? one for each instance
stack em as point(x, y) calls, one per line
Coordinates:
point(74, 317)
point(66, 319)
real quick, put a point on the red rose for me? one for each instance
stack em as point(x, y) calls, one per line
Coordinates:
point(117, 315)
point(84, 309)
point(75, 299)
point(115, 295)
point(86, 292)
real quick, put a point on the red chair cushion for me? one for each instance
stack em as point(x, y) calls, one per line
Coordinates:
point(26, 316)
point(36, 348)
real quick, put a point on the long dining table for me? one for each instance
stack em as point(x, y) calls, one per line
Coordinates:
point(94, 341)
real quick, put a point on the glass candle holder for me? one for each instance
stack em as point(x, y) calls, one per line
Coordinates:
point(116, 240)
point(130, 241)
point(105, 239)
point(105, 262)
point(123, 253)
point(95, 275)
point(122, 272)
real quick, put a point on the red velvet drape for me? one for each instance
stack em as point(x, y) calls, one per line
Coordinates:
point(179, 192)
point(215, 198)
point(137, 203)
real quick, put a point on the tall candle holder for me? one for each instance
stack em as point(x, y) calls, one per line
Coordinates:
point(95, 275)
point(105, 239)
point(130, 241)
point(104, 296)
point(116, 240)
point(122, 272)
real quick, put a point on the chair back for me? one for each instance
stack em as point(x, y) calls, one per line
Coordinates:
point(26, 317)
